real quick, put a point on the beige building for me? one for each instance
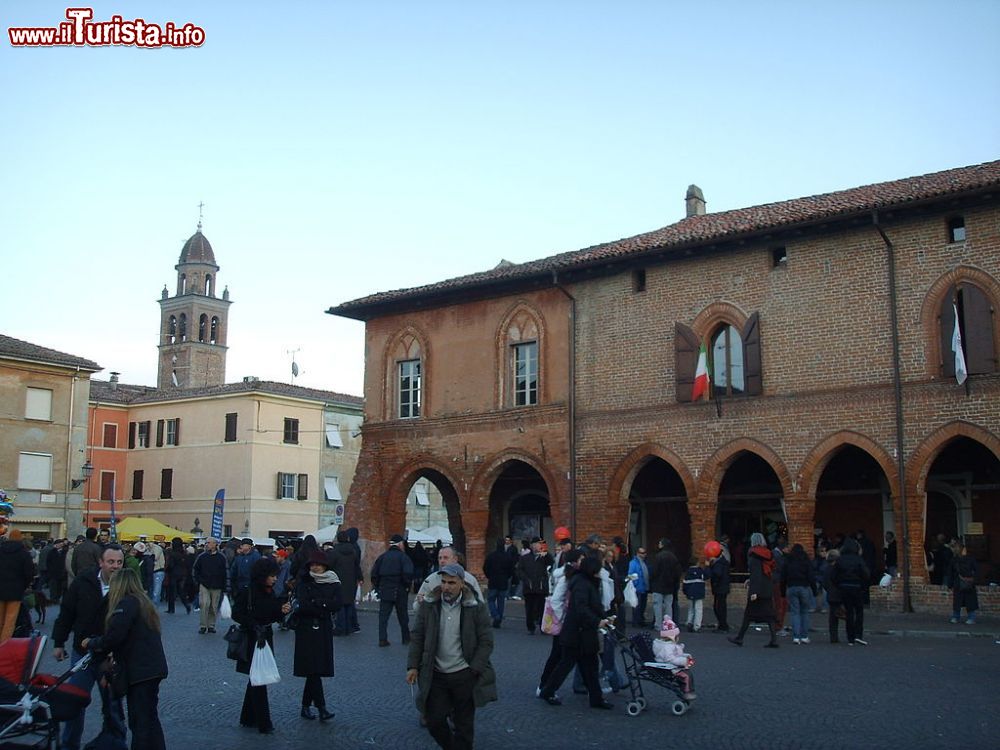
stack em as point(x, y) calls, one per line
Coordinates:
point(284, 455)
point(43, 433)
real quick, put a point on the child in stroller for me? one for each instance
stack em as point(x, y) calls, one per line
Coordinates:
point(660, 661)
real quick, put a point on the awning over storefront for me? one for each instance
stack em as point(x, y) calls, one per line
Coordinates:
point(133, 528)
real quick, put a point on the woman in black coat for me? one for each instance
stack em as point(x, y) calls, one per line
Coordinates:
point(580, 639)
point(760, 591)
point(318, 597)
point(132, 636)
point(256, 609)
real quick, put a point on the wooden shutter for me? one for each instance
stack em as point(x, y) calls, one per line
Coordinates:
point(279, 485)
point(977, 315)
point(751, 356)
point(137, 484)
point(159, 433)
point(110, 436)
point(177, 431)
point(686, 346)
point(149, 434)
point(303, 486)
point(167, 483)
point(231, 427)
point(946, 323)
point(131, 434)
point(107, 486)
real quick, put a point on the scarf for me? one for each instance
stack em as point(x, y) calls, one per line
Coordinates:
point(767, 562)
point(327, 576)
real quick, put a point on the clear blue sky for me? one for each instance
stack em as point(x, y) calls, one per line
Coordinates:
point(347, 148)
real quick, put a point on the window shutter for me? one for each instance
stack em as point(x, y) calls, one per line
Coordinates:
point(159, 433)
point(231, 427)
point(303, 486)
point(107, 486)
point(177, 431)
point(946, 322)
point(131, 434)
point(977, 314)
point(751, 356)
point(149, 434)
point(167, 484)
point(279, 485)
point(137, 484)
point(686, 346)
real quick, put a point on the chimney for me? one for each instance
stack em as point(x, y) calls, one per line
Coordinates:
point(695, 201)
point(114, 380)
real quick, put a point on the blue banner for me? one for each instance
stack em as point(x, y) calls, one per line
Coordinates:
point(217, 508)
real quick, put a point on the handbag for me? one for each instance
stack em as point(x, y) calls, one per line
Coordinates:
point(263, 668)
point(551, 622)
point(966, 584)
point(237, 643)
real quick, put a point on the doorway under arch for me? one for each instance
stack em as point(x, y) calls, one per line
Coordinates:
point(853, 494)
point(519, 505)
point(659, 509)
point(750, 500)
point(432, 503)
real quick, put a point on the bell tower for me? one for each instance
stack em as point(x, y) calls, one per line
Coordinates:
point(194, 322)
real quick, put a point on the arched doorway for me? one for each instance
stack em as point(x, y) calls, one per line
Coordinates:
point(853, 495)
point(963, 500)
point(519, 505)
point(750, 500)
point(432, 508)
point(659, 509)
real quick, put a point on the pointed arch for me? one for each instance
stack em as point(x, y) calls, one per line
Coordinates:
point(209, 289)
point(214, 337)
point(202, 327)
point(633, 463)
point(820, 456)
point(408, 349)
point(520, 355)
point(935, 298)
point(717, 314)
point(491, 469)
point(930, 447)
point(715, 467)
point(182, 327)
point(404, 477)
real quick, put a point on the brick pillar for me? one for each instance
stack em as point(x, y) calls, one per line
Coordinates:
point(801, 512)
point(915, 550)
point(475, 522)
point(703, 515)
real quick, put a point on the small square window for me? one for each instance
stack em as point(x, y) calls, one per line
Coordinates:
point(779, 257)
point(38, 404)
point(286, 486)
point(291, 430)
point(956, 229)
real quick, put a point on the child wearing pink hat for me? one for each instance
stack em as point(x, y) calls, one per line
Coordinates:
point(668, 651)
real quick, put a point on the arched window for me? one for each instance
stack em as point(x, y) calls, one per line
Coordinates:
point(202, 327)
point(172, 329)
point(726, 366)
point(521, 341)
point(972, 309)
point(208, 285)
point(215, 329)
point(184, 283)
point(183, 327)
point(406, 377)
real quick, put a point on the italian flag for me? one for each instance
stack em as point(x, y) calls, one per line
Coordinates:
point(701, 377)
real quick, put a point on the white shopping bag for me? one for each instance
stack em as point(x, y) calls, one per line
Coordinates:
point(263, 668)
point(631, 597)
point(225, 610)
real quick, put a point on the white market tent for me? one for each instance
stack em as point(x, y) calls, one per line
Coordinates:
point(326, 534)
point(429, 535)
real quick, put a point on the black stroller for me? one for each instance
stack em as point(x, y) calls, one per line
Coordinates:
point(640, 665)
point(32, 705)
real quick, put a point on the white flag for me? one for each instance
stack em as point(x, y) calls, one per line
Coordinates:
point(961, 373)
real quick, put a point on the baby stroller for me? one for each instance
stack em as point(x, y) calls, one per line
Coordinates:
point(640, 665)
point(32, 705)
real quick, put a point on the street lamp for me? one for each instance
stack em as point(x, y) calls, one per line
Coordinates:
point(88, 472)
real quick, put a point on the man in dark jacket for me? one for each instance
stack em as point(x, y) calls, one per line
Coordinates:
point(210, 573)
point(498, 568)
point(392, 574)
point(533, 570)
point(344, 561)
point(82, 612)
point(851, 576)
point(664, 581)
point(719, 572)
point(239, 571)
point(57, 570)
point(449, 659)
point(87, 553)
point(17, 570)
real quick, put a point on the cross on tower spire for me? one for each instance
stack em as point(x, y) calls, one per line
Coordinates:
point(201, 206)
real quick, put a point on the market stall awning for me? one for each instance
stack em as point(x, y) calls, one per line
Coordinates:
point(133, 528)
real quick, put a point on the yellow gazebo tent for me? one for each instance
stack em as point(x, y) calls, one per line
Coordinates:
point(133, 528)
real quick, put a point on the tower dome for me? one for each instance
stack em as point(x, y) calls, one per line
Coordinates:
point(197, 250)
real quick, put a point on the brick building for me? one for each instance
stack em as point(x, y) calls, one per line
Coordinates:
point(558, 391)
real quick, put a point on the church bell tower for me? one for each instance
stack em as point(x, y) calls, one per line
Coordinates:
point(194, 322)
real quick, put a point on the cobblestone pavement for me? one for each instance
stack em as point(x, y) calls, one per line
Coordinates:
point(899, 692)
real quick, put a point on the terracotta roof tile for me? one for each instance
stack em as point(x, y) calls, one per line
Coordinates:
point(17, 349)
point(123, 393)
point(705, 229)
point(197, 250)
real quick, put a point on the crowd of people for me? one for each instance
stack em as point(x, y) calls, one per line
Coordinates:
point(110, 598)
